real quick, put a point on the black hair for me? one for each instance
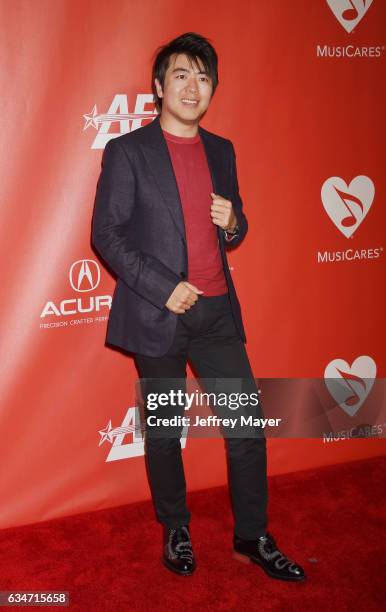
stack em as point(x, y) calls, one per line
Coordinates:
point(193, 46)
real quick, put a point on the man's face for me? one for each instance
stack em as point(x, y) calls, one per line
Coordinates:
point(186, 92)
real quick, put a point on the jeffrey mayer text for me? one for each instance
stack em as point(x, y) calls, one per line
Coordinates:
point(210, 421)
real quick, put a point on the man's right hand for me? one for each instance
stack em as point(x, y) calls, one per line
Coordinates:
point(183, 297)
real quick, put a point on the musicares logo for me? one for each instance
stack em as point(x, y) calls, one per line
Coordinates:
point(350, 386)
point(347, 205)
point(349, 12)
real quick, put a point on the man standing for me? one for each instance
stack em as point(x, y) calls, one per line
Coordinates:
point(167, 207)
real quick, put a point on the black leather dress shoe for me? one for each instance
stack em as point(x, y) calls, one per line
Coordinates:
point(178, 552)
point(265, 553)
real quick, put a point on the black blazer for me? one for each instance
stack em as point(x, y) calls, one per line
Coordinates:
point(138, 229)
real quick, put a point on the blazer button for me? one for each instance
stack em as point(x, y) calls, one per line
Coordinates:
point(182, 274)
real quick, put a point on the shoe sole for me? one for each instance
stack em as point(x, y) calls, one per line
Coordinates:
point(248, 559)
point(176, 571)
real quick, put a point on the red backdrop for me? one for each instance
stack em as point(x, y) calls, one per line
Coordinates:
point(302, 97)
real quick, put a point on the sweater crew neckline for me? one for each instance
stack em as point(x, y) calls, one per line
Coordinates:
point(181, 139)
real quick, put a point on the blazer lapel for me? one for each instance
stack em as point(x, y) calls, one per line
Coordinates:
point(214, 160)
point(157, 155)
point(216, 169)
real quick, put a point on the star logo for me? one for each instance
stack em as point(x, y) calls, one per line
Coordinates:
point(93, 119)
point(110, 432)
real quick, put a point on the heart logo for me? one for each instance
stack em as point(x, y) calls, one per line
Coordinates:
point(347, 206)
point(349, 12)
point(349, 386)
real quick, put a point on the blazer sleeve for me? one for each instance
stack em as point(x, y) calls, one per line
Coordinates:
point(237, 204)
point(113, 208)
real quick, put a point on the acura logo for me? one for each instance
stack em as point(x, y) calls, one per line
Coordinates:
point(84, 275)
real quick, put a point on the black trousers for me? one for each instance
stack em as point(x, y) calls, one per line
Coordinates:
point(206, 336)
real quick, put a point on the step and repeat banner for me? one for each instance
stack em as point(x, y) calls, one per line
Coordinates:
point(302, 97)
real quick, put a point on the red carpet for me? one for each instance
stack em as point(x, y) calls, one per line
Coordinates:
point(331, 520)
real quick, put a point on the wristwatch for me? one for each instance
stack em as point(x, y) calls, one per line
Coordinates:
point(229, 235)
point(233, 231)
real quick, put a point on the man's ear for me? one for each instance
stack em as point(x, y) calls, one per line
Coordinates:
point(158, 88)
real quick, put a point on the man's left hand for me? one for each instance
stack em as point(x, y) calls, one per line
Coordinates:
point(221, 212)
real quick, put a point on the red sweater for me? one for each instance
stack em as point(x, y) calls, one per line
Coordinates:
point(190, 166)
